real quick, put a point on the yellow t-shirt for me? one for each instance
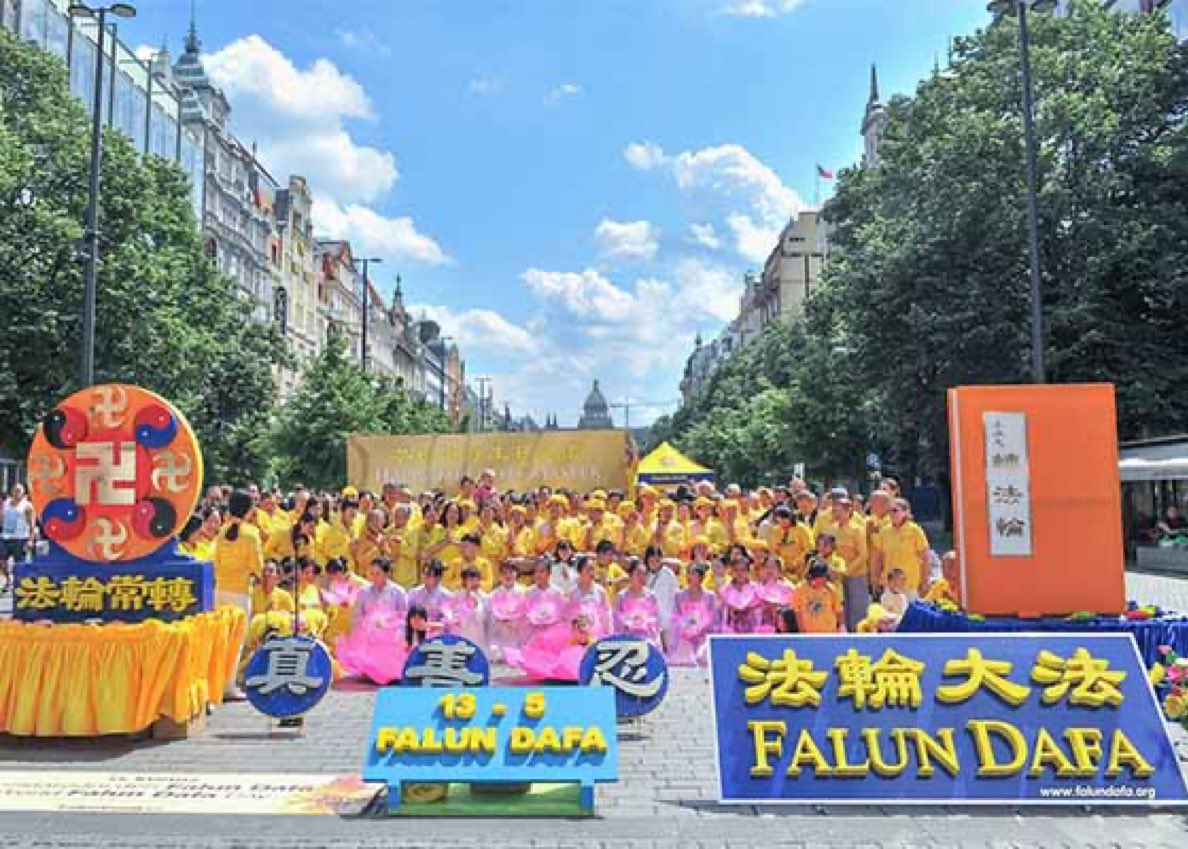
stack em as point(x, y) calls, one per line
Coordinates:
point(523, 544)
point(675, 543)
point(494, 542)
point(901, 549)
point(636, 540)
point(452, 579)
point(236, 560)
point(941, 590)
point(406, 569)
point(277, 600)
point(851, 545)
point(334, 540)
point(792, 545)
point(610, 579)
point(448, 552)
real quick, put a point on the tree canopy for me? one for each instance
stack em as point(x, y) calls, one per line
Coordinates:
point(926, 284)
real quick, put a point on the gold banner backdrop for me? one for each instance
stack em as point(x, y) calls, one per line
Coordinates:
point(580, 460)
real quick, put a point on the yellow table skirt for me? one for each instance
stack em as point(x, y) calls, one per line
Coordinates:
point(87, 680)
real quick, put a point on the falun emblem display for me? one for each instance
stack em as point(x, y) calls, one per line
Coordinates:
point(114, 472)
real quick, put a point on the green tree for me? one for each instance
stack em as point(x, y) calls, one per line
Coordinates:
point(166, 319)
point(928, 272)
point(334, 400)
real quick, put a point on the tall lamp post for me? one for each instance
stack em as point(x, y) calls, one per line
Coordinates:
point(366, 261)
point(86, 359)
point(1000, 9)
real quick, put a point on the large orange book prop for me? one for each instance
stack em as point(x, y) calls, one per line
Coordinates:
point(1036, 499)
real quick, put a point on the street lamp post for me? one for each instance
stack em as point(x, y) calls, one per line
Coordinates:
point(366, 302)
point(86, 367)
point(1000, 8)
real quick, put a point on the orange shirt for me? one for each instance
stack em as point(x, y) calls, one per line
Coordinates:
point(818, 609)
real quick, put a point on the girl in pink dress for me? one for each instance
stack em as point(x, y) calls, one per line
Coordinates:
point(774, 594)
point(552, 653)
point(741, 605)
point(507, 605)
point(693, 622)
point(465, 613)
point(590, 600)
point(636, 610)
point(430, 594)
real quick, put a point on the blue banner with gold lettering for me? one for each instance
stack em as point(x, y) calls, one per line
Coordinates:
point(993, 718)
point(60, 588)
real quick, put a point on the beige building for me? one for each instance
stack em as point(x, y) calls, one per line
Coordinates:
point(295, 280)
point(791, 273)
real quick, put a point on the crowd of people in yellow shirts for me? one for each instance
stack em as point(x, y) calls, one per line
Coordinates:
point(694, 561)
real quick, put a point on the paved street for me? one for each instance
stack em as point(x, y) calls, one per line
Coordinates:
point(663, 799)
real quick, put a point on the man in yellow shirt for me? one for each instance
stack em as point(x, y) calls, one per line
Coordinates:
point(792, 540)
point(607, 571)
point(276, 528)
point(334, 537)
point(469, 547)
point(648, 504)
point(738, 529)
point(903, 545)
point(849, 531)
point(602, 525)
point(405, 543)
point(551, 527)
point(708, 525)
point(634, 536)
point(668, 533)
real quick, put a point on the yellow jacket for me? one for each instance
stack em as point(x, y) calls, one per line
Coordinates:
point(236, 560)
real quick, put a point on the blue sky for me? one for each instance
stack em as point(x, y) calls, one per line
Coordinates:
point(573, 188)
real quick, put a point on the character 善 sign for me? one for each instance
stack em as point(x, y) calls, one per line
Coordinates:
point(937, 718)
point(493, 735)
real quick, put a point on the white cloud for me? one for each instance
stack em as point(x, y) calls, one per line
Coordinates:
point(754, 202)
point(715, 290)
point(586, 295)
point(363, 42)
point(760, 8)
point(480, 329)
point(752, 241)
point(298, 116)
point(373, 233)
point(145, 52)
point(704, 235)
point(627, 240)
point(562, 92)
point(485, 86)
point(644, 156)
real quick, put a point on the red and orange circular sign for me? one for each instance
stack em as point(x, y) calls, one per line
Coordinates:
point(114, 473)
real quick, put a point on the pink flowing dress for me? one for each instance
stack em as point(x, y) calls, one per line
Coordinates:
point(740, 610)
point(639, 615)
point(693, 622)
point(506, 626)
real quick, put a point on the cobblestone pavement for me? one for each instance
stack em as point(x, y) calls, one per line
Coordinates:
point(664, 798)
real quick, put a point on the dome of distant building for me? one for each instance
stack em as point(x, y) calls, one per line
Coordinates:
point(595, 412)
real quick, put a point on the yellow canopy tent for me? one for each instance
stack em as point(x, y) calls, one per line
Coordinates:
point(667, 467)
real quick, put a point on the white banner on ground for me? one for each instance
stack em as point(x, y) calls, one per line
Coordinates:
point(148, 793)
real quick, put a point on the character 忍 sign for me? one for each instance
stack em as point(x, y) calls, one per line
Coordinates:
point(937, 718)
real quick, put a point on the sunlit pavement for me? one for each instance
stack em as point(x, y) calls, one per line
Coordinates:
point(664, 798)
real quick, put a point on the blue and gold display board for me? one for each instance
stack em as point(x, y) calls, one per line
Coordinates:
point(493, 735)
point(114, 473)
point(1043, 719)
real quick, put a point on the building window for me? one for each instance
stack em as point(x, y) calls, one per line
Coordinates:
point(280, 309)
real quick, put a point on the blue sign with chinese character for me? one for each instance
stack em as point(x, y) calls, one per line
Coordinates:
point(940, 718)
point(288, 676)
point(493, 735)
point(634, 668)
point(446, 661)
point(61, 588)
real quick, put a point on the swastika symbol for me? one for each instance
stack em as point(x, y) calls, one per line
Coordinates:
point(111, 468)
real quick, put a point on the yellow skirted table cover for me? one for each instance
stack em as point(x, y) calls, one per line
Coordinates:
point(88, 680)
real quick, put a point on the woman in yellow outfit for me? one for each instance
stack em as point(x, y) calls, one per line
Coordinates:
point(493, 534)
point(444, 539)
point(634, 536)
point(334, 537)
point(238, 554)
point(792, 542)
point(371, 543)
point(192, 541)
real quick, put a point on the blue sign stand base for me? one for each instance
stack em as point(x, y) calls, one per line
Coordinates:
point(551, 799)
